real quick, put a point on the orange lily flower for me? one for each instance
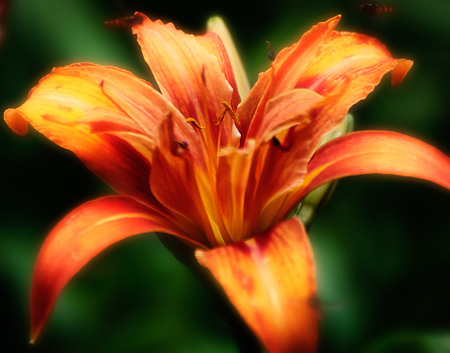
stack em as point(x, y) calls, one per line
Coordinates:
point(218, 170)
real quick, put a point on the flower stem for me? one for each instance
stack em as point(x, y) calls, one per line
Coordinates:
point(242, 334)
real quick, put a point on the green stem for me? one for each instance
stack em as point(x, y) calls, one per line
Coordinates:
point(242, 334)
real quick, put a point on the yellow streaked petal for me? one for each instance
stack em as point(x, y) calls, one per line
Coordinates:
point(378, 152)
point(372, 152)
point(284, 74)
point(187, 74)
point(270, 279)
point(56, 108)
point(172, 182)
point(359, 60)
point(80, 236)
point(287, 110)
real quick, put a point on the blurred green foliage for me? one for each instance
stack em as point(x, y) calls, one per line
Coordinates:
point(382, 244)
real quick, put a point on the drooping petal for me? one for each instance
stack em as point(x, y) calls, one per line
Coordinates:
point(372, 152)
point(187, 73)
point(270, 279)
point(80, 236)
point(63, 98)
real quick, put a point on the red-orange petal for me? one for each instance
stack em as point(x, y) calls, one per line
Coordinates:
point(344, 65)
point(400, 70)
point(289, 109)
point(214, 45)
point(145, 107)
point(57, 106)
point(377, 152)
point(234, 179)
point(349, 65)
point(80, 236)
point(284, 74)
point(270, 279)
point(172, 180)
point(290, 160)
point(187, 73)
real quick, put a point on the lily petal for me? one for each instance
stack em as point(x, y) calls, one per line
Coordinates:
point(192, 79)
point(172, 181)
point(331, 63)
point(360, 60)
point(145, 106)
point(377, 152)
point(213, 43)
point(270, 279)
point(283, 75)
point(289, 109)
point(80, 236)
point(63, 98)
point(216, 24)
point(291, 161)
point(234, 180)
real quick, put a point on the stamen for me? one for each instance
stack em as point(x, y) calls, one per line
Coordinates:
point(227, 108)
point(195, 123)
point(221, 115)
point(129, 21)
point(271, 53)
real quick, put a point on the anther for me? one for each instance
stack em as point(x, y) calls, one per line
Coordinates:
point(195, 123)
point(271, 55)
point(227, 108)
point(129, 21)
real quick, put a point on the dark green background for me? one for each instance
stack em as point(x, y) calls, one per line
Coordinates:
point(382, 244)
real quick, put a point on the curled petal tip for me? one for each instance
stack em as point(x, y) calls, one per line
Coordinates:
point(335, 20)
point(15, 122)
point(400, 70)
